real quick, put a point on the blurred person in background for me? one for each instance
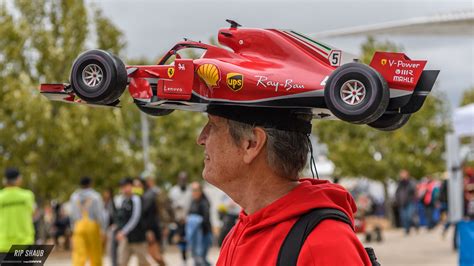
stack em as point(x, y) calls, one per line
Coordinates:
point(443, 199)
point(61, 226)
point(180, 236)
point(229, 212)
point(180, 197)
point(469, 193)
point(138, 186)
point(88, 224)
point(405, 198)
point(130, 230)
point(16, 213)
point(468, 184)
point(109, 212)
point(39, 223)
point(151, 220)
point(429, 199)
point(198, 226)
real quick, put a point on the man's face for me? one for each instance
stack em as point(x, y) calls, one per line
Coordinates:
point(222, 158)
point(196, 191)
point(404, 175)
point(127, 189)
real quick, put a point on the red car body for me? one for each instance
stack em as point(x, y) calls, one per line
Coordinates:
point(263, 67)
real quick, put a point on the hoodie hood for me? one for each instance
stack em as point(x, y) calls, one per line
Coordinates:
point(309, 194)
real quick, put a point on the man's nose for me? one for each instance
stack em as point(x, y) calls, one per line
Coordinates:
point(202, 137)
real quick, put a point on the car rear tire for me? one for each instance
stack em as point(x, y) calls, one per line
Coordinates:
point(356, 93)
point(98, 77)
point(389, 122)
point(154, 111)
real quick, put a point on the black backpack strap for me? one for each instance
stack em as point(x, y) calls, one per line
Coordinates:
point(291, 247)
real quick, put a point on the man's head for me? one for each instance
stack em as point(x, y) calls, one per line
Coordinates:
point(232, 146)
point(126, 186)
point(404, 174)
point(85, 182)
point(12, 177)
point(196, 190)
point(150, 182)
point(183, 179)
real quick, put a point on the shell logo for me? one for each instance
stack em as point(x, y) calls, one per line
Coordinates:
point(383, 62)
point(209, 73)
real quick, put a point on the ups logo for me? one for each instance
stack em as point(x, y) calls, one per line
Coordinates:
point(235, 81)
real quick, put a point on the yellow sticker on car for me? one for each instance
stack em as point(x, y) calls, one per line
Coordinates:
point(210, 74)
point(235, 81)
point(170, 72)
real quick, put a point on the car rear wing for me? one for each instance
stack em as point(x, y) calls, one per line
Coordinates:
point(398, 70)
point(405, 77)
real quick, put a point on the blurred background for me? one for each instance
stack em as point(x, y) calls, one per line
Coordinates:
point(54, 144)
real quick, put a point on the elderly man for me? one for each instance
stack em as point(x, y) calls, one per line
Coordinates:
point(255, 156)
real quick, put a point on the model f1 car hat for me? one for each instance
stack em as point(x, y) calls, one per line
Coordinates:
point(296, 120)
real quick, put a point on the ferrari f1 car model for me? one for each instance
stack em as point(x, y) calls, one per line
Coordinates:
point(262, 68)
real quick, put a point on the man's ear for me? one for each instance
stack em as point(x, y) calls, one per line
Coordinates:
point(253, 147)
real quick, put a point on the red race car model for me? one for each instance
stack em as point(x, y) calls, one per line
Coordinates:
point(264, 68)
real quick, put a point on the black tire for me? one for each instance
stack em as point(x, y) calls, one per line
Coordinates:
point(89, 87)
point(154, 111)
point(389, 122)
point(366, 109)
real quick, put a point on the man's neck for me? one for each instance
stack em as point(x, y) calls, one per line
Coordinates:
point(253, 193)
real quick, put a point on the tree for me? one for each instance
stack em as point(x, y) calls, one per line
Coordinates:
point(468, 97)
point(54, 144)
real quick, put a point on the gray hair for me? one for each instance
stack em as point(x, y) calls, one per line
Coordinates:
point(287, 151)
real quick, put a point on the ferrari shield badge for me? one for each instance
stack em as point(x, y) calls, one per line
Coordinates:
point(235, 81)
point(170, 72)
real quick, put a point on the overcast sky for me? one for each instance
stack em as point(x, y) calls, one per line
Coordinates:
point(152, 27)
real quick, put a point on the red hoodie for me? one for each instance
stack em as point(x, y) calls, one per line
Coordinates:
point(256, 239)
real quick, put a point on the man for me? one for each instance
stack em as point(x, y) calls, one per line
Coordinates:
point(151, 220)
point(180, 194)
point(255, 156)
point(198, 226)
point(180, 197)
point(131, 232)
point(16, 213)
point(429, 200)
point(88, 224)
point(405, 197)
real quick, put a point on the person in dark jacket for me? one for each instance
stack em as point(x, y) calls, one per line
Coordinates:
point(151, 220)
point(131, 234)
point(405, 197)
point(198, 226)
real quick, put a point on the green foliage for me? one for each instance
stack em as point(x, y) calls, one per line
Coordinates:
point(54, 144)
point(468, 97)
point(358, 150)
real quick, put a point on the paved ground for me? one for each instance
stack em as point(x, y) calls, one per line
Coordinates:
point(422, 248)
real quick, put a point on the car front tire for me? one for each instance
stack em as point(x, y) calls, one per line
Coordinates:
point(98, 77)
